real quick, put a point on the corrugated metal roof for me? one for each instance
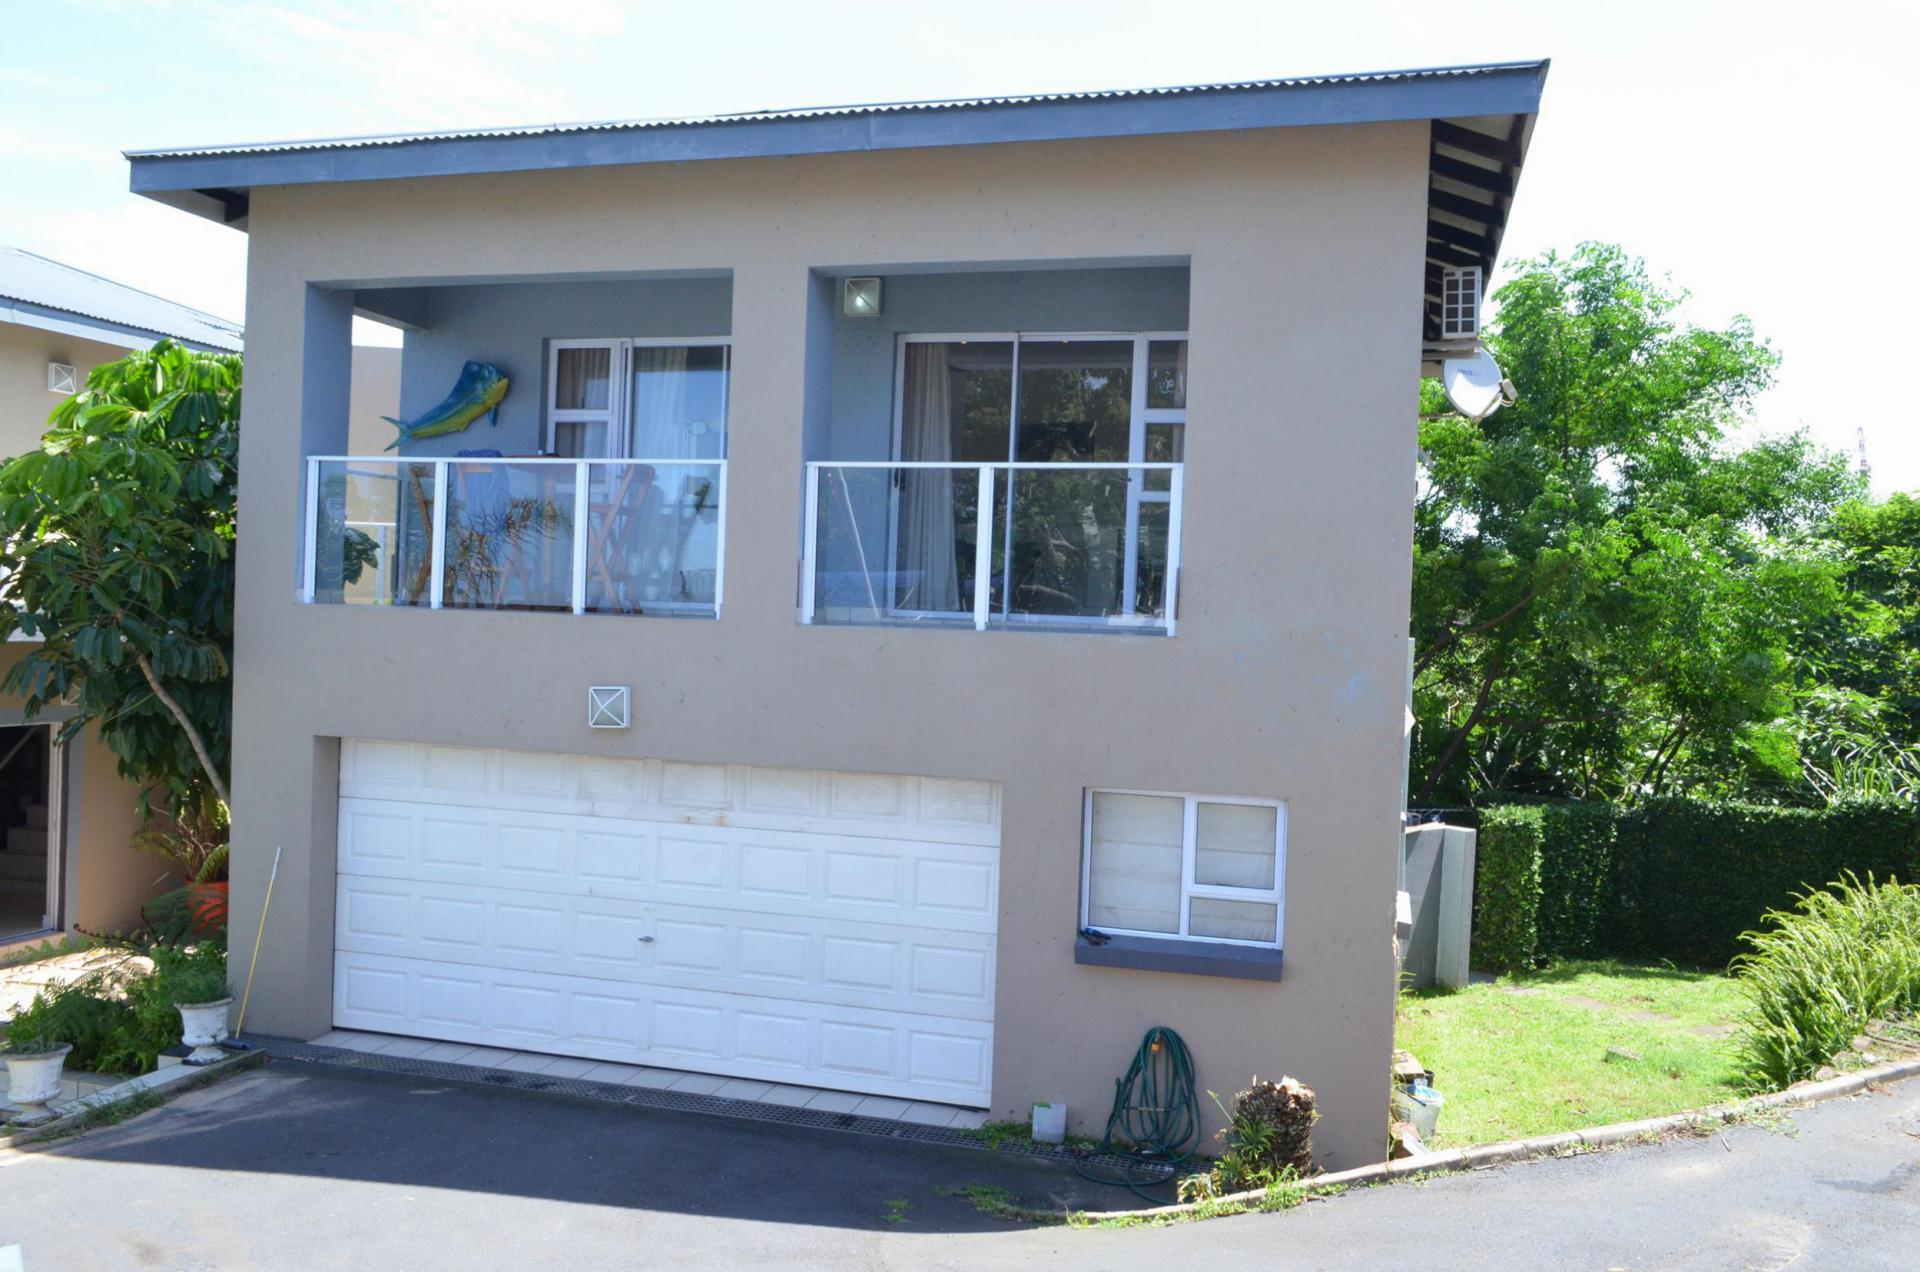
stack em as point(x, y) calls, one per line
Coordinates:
point(845, 111)
point(30, 279)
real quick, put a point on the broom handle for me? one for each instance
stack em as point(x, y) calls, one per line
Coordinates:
point(259, 932)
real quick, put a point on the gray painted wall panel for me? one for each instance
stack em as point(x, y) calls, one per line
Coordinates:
point(1152, 299)
point(508, 324)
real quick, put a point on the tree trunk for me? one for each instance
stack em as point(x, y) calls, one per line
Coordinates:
point(1447, 757)
point(193, 734)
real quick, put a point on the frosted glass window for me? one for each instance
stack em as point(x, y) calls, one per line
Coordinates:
point(1233, 845)
point(1231, 920)
point(1137, 846)
point(1185, 866)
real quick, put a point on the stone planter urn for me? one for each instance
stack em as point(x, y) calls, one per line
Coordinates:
point(33, 1082)
point(202, 1026)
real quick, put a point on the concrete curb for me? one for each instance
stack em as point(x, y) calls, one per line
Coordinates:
point(1558, 1144)
point(173, 1081)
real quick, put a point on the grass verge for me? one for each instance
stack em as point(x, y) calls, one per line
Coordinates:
point(1579, 1044)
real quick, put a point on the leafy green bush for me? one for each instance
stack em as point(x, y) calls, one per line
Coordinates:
point(1506, 888)
point(1837, 961)
point(121, 1023)
point(194, 982)
point(1269, 1138)
point(88, 1014)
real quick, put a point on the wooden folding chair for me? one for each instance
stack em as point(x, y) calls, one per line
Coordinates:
point(613, 524)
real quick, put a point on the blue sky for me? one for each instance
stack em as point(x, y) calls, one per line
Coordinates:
point(1759, 153)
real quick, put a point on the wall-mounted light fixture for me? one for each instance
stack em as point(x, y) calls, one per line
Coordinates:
point(609, 707)
point(62, 378)
point(860, 298)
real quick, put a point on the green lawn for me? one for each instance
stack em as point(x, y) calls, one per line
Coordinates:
point(1527, 1055)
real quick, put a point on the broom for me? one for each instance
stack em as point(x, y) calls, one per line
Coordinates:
point(234, 1043)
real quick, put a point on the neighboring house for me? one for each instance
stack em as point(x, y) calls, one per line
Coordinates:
point(933, 603)
point(66, 817)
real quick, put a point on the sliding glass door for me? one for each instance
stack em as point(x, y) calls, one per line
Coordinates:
point(1071, 541)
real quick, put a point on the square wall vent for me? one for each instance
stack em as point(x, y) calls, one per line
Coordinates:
point(62, 378)
point(609, 707)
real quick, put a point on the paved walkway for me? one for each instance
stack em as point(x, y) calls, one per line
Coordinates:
point(308, 1168)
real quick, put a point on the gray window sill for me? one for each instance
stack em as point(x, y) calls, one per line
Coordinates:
point(1194, 958)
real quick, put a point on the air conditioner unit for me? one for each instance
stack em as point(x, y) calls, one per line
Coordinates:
point(1460, 303)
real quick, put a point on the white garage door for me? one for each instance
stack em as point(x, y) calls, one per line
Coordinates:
point(829, 929)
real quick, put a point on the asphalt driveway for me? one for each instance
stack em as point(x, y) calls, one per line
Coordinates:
point(298, 1167)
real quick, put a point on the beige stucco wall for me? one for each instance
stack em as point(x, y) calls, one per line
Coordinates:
point(375, 393)
point(1286, 679)
point(107, 878)
point(24, 400)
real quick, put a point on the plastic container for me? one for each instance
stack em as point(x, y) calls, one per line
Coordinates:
point(1050, 1122)
point(1423, 1106)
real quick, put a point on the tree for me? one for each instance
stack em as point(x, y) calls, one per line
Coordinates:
point(1607, 595)
point(1880, 543)
point(118, 560)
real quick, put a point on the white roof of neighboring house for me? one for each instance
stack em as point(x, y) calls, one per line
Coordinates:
point(37, 292)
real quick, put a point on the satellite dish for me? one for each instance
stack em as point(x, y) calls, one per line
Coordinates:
point(1475, 385)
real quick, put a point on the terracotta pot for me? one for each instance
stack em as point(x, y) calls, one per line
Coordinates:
point(202, 1026)
point(33, 1082)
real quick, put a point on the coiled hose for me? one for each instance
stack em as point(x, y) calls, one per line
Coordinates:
point(1155, 1120)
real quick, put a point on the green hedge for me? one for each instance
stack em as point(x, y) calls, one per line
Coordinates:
point(1506, 888)
point(1695, 875)
point(1672, 879)
point(1578, 868)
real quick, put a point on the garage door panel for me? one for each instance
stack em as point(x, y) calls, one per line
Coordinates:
point(788, 925)
point(738, 1035)
point(743, 796)
point(953, 886)
point(869, 965)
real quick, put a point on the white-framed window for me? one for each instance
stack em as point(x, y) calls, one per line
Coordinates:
point(639, 398)
point(1184, 867)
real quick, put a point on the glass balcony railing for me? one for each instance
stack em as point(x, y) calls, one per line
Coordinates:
point(616, 536)
point(1006, 544)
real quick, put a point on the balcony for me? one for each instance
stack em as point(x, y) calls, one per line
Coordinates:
point(582, 536)
point(1092, 546)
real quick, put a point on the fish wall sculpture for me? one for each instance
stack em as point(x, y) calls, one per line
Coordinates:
point(478, 391)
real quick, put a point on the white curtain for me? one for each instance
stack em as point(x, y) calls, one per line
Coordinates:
point(582, 379)
point(660, 425)
point(928, 577)
point(659, 429)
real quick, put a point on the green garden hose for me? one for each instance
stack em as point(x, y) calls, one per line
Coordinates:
point(1155, 1120)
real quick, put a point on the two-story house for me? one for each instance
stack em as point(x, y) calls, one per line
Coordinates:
point(930, 604)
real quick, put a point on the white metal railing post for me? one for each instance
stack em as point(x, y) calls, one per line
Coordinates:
point(582, 511)
point(437, 554)
point(720, 540)
point(1175, 485)
point(983, 548)
point(308, 567)
point(809, 543)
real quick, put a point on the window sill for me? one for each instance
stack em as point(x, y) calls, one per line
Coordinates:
point(1192, 958)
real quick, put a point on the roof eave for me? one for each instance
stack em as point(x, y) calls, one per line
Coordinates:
point(122, 335)
point(205, 183)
